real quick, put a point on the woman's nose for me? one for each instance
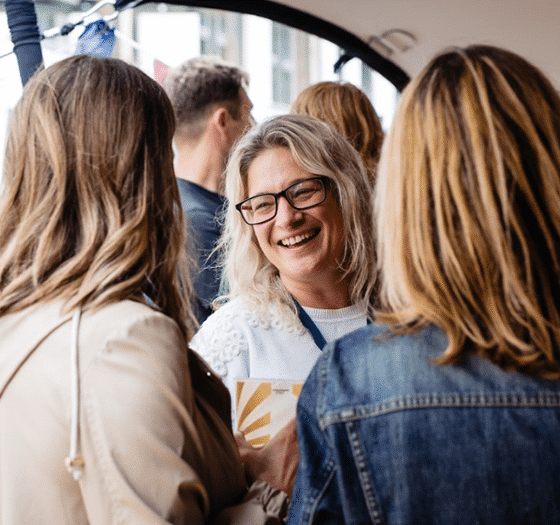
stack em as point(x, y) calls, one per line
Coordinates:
point(286, 213)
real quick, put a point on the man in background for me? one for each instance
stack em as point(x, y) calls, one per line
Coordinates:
point(212, 110)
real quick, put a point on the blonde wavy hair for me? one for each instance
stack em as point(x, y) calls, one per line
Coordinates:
point(350, 112)
point(320, 150)
point(468, 210)
point(90, 209)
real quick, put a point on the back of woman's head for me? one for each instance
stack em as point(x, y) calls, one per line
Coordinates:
point(350, 112)
point(90, 208)
point(468, 208)
point(320, 150)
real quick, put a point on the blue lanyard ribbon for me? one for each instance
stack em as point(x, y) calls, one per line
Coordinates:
point(315, 333)
point(306, 321)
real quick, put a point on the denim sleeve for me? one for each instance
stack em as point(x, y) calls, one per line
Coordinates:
point(315, 498)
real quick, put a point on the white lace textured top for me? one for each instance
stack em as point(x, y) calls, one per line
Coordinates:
point(238, 345)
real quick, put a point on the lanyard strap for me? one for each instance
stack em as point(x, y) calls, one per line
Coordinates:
point(306, 321)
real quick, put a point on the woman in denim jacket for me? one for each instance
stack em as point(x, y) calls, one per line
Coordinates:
point(449, 411)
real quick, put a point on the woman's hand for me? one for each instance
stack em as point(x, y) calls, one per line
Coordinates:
point(276, 462)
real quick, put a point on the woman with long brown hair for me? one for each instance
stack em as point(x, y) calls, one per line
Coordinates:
point(95, 373)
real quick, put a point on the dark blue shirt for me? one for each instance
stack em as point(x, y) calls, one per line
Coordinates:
point(202, 208)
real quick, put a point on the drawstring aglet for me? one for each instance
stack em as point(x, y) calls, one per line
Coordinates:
point(75, 466)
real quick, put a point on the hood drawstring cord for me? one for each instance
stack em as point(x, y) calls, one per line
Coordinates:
point(74, 462)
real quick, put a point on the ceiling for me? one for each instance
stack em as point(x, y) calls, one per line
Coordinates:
point(530, 28)
point(405, 34)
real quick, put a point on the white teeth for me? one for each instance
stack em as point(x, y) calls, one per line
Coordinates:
point(295, 240)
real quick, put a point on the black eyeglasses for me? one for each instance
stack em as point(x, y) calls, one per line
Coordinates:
point(300, 196)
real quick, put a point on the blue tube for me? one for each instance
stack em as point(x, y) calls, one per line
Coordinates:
point(24, 31)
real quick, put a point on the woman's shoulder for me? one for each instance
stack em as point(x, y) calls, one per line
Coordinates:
point(378, 343)
point(121, 317)
point(96, 327)
point(222, 337)
point(128, 325)
point(241, 312)
point(230, 331)
point(126, 308)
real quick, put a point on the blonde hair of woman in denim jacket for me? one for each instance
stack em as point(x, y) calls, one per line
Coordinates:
point(94, 363)
point(448, 411)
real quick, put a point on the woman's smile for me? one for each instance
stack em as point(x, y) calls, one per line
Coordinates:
point(299, 239)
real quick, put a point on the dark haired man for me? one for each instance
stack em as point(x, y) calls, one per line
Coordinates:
point(212, 110)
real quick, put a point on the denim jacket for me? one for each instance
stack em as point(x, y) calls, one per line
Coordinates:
point(388, 437)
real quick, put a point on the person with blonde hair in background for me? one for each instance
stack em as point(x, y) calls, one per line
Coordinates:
point(106, 416)
point(299, 268)
point(448, 410)
point(349, 110)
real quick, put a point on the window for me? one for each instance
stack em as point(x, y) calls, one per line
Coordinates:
point(281, 61)
point(282, 64)
point(213, 37)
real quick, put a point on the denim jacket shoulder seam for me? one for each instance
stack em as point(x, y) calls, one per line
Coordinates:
point(443, 400)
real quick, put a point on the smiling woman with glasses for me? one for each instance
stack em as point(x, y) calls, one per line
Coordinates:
point(298, 266)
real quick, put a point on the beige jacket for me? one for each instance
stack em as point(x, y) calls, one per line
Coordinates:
point(154, 450)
